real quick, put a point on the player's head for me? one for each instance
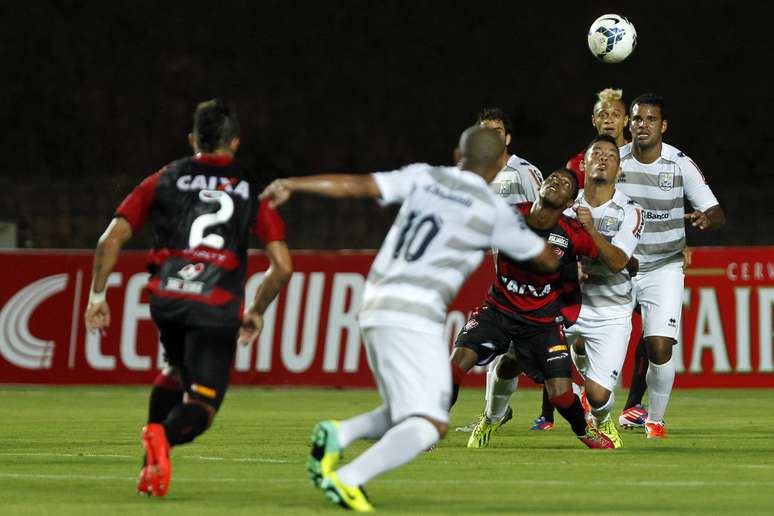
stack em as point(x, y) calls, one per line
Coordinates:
point(560, 189)
point(601, 162)
point(496, 118)
point(479, 151)
point(647, 120)
point(609, 114)
point(215, 128)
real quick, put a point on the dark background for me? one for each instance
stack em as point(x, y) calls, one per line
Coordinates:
point(97, 95)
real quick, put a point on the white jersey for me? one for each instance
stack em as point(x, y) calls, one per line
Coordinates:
point(607, 294)
point(448, 219)
point(518, 181)
point(660, 188)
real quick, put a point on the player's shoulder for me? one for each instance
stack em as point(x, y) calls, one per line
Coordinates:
point(672, 153)
point(521, 165)
point(625, 151)
point(623, 200)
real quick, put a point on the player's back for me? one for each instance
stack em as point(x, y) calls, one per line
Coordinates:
point(447, 221)
point(201, 210)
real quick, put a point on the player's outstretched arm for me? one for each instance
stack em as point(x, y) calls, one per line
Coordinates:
point(712, 218)
point(97, 315)
point(276, 277)
point(611, 255)
point(327, 185)
point(546, 261)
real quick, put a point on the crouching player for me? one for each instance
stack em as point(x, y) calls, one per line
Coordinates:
point(605, 317)
point(521, 313)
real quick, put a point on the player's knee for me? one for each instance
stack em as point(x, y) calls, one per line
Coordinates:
point(170, 378)
point(597, 396)
point(659, 349)
point(464, 358)
point(440, 426)
point(563, 400)
point(507, 368)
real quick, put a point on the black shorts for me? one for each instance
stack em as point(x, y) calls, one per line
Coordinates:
point(203, 355)
point(541, 350)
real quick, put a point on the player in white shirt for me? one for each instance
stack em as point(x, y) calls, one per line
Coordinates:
point(518, 181)
point(448, 219)
point(605, 316)
point(659, 177)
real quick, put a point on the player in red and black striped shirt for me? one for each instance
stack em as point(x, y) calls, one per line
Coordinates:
point(524, 314)
point(201, 210)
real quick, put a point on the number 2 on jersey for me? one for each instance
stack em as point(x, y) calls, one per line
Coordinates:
point(422, 233)
point(202, 222)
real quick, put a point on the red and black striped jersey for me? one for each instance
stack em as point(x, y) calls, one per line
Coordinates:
point(523, 293)
point(201, 210)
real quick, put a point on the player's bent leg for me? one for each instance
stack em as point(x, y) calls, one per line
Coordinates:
point(660, 378)
point(601, 403)
point(400, 445)
point(497, 412)
point(569, 406)
point(462, 361)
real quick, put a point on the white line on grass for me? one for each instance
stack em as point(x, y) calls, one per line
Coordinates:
point(113, 456)
point(504, 482)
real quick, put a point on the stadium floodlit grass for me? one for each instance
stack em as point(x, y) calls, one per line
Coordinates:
point(77, 451)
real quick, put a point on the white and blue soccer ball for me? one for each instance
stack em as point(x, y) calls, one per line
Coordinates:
point(612, 38)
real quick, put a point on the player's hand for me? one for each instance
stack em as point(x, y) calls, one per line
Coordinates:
point(633, 266)
point(252, 324)
point(278, 192)
point(687, 256)
point(97, 317)
point(698, 219)
point(585, 218)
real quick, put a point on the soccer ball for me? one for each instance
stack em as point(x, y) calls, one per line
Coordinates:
point(612, 38)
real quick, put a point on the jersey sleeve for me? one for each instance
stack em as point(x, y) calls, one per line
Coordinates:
point(511, 234)
point(631, 229)
point(268, 226)
point(136, 206)
point(696, 188)
point(395, 186)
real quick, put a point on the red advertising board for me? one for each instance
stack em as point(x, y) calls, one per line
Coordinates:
point(310, 335)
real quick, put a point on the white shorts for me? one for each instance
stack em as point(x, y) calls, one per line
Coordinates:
point(606, 343)
point(411, 370)
point(660, 296)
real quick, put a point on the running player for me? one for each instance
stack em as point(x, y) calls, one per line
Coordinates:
point(518, 181)
point(523, 313)
point(448, 218)
point(658, 177)
point(201, 210)
point(605, 317)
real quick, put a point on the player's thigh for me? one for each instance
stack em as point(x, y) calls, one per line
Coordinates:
point(412, 371)
point(660, 296)
point(606, 344)
point(209, 353)
point(485, 334)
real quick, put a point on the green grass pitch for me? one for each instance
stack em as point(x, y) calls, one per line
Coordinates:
point(77, 451)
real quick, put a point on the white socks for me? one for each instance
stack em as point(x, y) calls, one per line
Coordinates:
point(602, 413)
point(497, 402)
point(371, 425)
point(398, 446)
point(490, 373)
point(660, 378)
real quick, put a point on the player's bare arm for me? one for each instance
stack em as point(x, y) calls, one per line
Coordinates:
point(713, 218)
point(276, 277)
point(97, 315)
point(612, 256)
point(327, 185)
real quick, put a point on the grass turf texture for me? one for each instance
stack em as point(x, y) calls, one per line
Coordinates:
point(77, 451)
